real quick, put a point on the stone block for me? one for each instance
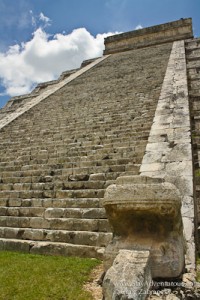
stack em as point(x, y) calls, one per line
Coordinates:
point(15, 245)
point(14, 202)
point(26, 203)
point(85, 225)
point(152, 167)
point(151, 212)
point(94, 213)
point(183, 183)
point(39, 223)
point(188, 227)
point(129, 277)
point(97, 177)
point(1, 245)
point(24, 212)
point(34, 235)
point(2, 232)
point(3, 211)
point(179, 149)
point(36, 212)
point(13, 212)
point(72, 213)
point(3, 202)
point(11, 233)
point(61, 224)
point(157, 147)
point(54, 213)
point(36, 202)
point(3, 221)
point(23, 222)
point(104, 226)
point(48, 203)
point(12, 222)
point(60, 236)
point(179, 168)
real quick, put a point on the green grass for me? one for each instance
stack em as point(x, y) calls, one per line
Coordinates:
point(38, 277)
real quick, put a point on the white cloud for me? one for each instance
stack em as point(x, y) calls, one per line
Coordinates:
point(45, 57)
point(44, 19)
point(138, 27)
point(33, 19)
point(40, 20)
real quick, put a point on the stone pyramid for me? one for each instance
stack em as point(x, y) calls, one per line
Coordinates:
point(68, 141)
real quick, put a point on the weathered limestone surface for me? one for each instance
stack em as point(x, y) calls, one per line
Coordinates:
point(145, 215)
point(58, 157)
point(169, 153)
point(129, 277)
point(193, 68)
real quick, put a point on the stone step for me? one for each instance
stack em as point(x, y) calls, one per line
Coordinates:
point(60, 194)
point(35, 176)
point(99, 169)
point(107, 139)
point(25, 194)
point(74, 154)
point(100, 239)
point(100, 122)
point(193, 64)
point(53, 203)
point(39, 142)
point(50, 212)
point(23, 150)
point(70, 224)
point(87, 143)
point(63, 185)
point(120, 123)
point(114, 153)
point(80, 193)
point(103, 157)
point(64, 164)
point(195, 56)
point(193, 77)
point(194, 93)
point(77, 185)
point(52, 170)
point(51, 248)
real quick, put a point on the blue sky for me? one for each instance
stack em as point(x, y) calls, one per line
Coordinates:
point(41, 38)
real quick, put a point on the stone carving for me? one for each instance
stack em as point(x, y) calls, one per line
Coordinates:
point(145, 214)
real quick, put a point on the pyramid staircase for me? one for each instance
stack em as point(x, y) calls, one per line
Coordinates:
point(58, 157)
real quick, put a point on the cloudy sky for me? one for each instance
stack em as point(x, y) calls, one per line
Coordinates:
point(39, 39)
